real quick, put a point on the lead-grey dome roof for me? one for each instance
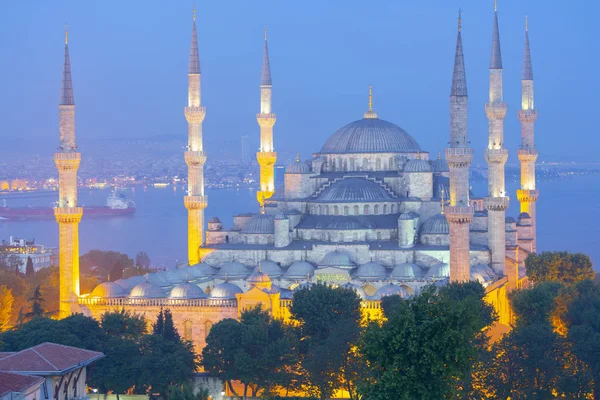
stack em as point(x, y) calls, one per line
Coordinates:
point(440, 165)
point(298, 167)
point(187, 291)
point(418, 165)
point(371, 271)
point(338, 259)
point(260, 223)
point(355, 190)
point(436, 225)
point(108, 290)
point(270, 268)
point(359, 291)
point(370, 135)
point(234, 270)
point(147, 290)
point(390, 290)
point(406, 271)
point(225, 290)
point(441, 270)
point(300, 269)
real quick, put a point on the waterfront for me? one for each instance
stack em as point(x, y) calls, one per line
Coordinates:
point(567, 215)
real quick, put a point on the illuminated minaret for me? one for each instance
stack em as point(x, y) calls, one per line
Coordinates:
point(67, 213)
point(496, 155)
point(528, 154)
point(459, 156)
point(266, 119)
point(195, 201)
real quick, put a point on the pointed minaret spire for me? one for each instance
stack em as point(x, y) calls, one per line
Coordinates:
point(265, 78)
point(194, 67)
point(66, 90)
point(527, 68)
point(370, 112)
point(459, 78)
point(496, 59)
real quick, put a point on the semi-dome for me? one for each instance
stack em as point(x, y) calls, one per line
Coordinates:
point(338, 259)
point(418, 165)
point(270, 268)
point(108, 290)
point(440, 165)
point(260, 223)
point(355, 190)
point(147, 290)
point(187, 291)
point(390, 290)
point(441, 270)
point(359, 291)
point(436, 225)
point(298, 167)
point(234, 270)
point(300, 270)
point(482, 273)
point(406, 271)
point(370, 135)
point(371, 271)
point(225, 290)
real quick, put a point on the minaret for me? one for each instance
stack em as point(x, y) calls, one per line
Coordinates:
point(458, 156)
point(195, 201)
point(528, 154)
point(67, 213)
point(496, 155)
point(266, 119)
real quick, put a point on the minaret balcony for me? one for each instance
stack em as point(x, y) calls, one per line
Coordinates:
point(266, 157)
point(266, 120)
point(459, 214)
point(495, 110)
point(67, 161)
point(496, 156)
point(195, 202)
point(68, 215)
point(496, 203)
point(194, 158)
point(527, 116)
point(195, 115)
point(458, 157)
point(527, 155)
point(527, 196)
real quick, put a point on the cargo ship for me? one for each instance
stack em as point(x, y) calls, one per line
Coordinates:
point(116, 206)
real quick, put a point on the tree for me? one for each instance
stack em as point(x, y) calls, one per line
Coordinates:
point(169, 331)
point(15, 263)
point(158, 327)
point(427, 345)
point(186, 392)
point(583, 323)
point(142, 260)
point(37, 304)
point(6, 304)
point(219, 354)
point(562, 267)
point(104, 262)
point(29, 271)
point(123, 324)
point(328, 325)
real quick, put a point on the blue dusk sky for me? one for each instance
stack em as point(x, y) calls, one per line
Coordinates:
point(129, 61)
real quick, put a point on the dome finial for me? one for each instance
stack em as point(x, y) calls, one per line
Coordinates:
point(66, 34)
point(459, 19)
point(297, 157)
point(526, 23)
point(265, 32)
point(370, 113)
point(495, 5)
point(194, 13)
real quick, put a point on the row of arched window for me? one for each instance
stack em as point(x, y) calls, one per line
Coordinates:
point(340, 237)
point(367, 209)
point(356, 164)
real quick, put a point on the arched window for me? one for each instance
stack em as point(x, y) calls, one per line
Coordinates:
point(335, 210)
point(345, 165)
point(346, 210)
point(187, 330)
point(378, 164)
point(326, 210)
point(256, 240)
point(393, 208)
point(378, 235)
point(320, 210)
point(366, 209)
point(354, 237)
point(392, 163)
point(385, 208)
point(365, 165)
point(341, 237)
point(438, 240)
point(352, 164)
point(376, 209)
point(339, 164)
point(356, 210)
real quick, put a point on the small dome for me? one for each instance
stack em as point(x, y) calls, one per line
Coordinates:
point(280, 216)
point(371, 271)
point(147, 290)
point(440, 165)
point(201, 270)
point(270, 268)
point(129, 283)
point(300, 270)
point(338, 259)
point(360, 291)
point(259, 279)
point(524, 215)
point(441, 270)
point(108, 290)
point(406, 216)
point(436, 225)
point(214, 220)
point(509, 220)
point(298, 167)
point(417, 165)
point(358, 190)
point(406, 271)
point(482, 273)
point(225, 290)
point(187, 291)
point(234, 270)
point(390, 290)
point(260, 223)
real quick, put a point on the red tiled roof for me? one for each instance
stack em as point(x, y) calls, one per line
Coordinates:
point(17, 383)
point(6, 354)
point(48, 358)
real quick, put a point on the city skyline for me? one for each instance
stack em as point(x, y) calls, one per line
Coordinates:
point(307, 81)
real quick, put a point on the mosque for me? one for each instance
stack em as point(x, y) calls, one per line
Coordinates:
point(370, 210)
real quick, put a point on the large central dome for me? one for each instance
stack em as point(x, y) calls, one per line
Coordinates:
point(370, 135)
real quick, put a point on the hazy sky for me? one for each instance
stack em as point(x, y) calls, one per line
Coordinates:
point(129, 60)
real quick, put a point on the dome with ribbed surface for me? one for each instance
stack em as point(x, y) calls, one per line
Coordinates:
point(260, 223)
point(418, 165)
point(270, 268)
point(187, 291)
point(436, 225)
point(108, 290)
point(338, 259)
point(298, 167)
point(300, 270)
point(234, 270)
point(440, 165)
point(351, 190)
point(370, 135)
point(441, 270)
point(129, 283)
point(406, 271)
point(147, 290)
point(214, 220)
point(406, 216)
point(390, 290)
point(359, 291)
point(371, 271)
point(225, 290)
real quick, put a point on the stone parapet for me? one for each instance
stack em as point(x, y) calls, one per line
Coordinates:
point(496, 203)
point(527, 116)
point(496, 156)
point(527, 196)
point(266, 157)
point(266, 120)
point(458, 157)
point(195, 115)
point(527, 155)
point(195, 202)
point(495, 110)
point(68, 215)
point(67, 161)
point(194, 158)
point(459, 214)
